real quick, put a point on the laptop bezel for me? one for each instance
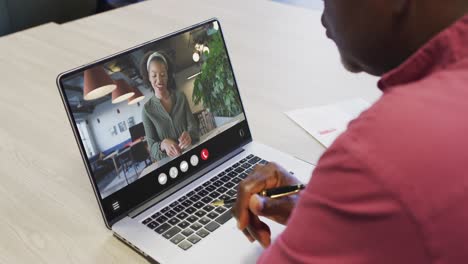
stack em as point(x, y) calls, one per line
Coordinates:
point(110, 220)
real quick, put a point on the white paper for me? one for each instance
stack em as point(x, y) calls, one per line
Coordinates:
point(326, 123)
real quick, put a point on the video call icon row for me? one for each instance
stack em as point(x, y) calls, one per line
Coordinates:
point(184, 166)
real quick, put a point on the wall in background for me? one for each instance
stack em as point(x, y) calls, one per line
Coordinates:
point(108, 117)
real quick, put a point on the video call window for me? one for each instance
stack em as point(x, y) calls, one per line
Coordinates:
point(142, 109)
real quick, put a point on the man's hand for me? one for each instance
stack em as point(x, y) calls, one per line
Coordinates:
point(185, 140)
point(249, 205)
point(170, 147)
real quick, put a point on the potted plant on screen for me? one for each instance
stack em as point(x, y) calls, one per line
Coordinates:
point(214, 87)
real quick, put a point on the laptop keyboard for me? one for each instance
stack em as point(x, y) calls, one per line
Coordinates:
point(191, 218)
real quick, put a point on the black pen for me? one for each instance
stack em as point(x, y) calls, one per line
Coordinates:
point(271, 193)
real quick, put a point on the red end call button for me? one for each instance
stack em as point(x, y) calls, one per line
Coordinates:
point(204, 154)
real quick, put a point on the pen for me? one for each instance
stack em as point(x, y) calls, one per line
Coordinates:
point(271, 193)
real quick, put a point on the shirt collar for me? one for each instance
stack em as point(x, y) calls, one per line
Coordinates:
point(158, 101)
point(447, 48)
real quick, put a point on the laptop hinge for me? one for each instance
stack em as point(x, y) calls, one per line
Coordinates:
point(148, 204)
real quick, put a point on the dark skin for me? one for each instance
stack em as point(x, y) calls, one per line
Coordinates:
point(372, 36)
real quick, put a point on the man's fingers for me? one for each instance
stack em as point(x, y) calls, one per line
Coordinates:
point(277, 210)
point(248, 235)
point(259, 231)
point(261, 178)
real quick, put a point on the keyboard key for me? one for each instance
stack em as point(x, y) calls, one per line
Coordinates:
point(199, 188)
point(173, 221)
point(198, 205)
point(246, 166)
point(212, 215)
point(162, 228)
point(186, 203)
point(250, 156)
point(222, 189)
point(202, 233)
point(254, 160)
point(206, 183)
point(202, 193)
point(174, 204)
point(204, 221)
point(192, 219)
point(190, 210)
point(218, 183)
point(190, 193)
point(242, 175)
point(231, 193)
point(147, 220)
point(225, 179)
point(156, 215)
point(208, 208)
point(224, 197)
point(185, 245)
point(232, 174)
point(214, 194)
point(242, 160)
point(181, 199)
point(236, 180)
point(212, 226)
point(171, 232)
point(196, 226)
point(222, 174)
point(195, 198)
point(228, 170)
point(194, 239)
point(224, 217)
point(153, 225)
point(183, 224)
point(239, 170)
point(263, 162)
point(170, 214)
point(165, 209)
point(229, 185)
point(182, 215)
point(179, 208)
point(200, 213)
point(235, 165)
point(210, 188)
point(249, 171)
point(177, 239)
point(161, 219)
point(220, 210)
point(207, 199)
point(187, 232)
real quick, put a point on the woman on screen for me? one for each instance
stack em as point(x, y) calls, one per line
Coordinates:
point(170, 126)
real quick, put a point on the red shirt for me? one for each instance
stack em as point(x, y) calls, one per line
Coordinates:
point(394, 187)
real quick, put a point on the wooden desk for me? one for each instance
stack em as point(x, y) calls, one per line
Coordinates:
point(48, 211)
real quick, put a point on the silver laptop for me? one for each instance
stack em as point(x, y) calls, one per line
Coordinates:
point(163, 133)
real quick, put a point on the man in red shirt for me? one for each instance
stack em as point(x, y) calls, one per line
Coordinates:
point(394, 187)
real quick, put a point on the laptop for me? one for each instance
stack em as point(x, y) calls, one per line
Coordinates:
point(163, 133)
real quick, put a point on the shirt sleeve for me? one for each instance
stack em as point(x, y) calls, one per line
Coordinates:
point(346, 216)
point(154, 142)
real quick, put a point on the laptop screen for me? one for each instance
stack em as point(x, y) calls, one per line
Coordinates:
point(153, 116)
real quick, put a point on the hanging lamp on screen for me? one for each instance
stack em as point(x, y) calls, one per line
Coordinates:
point(97, 83)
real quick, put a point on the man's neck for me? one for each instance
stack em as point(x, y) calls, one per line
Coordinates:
point(429, 18)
